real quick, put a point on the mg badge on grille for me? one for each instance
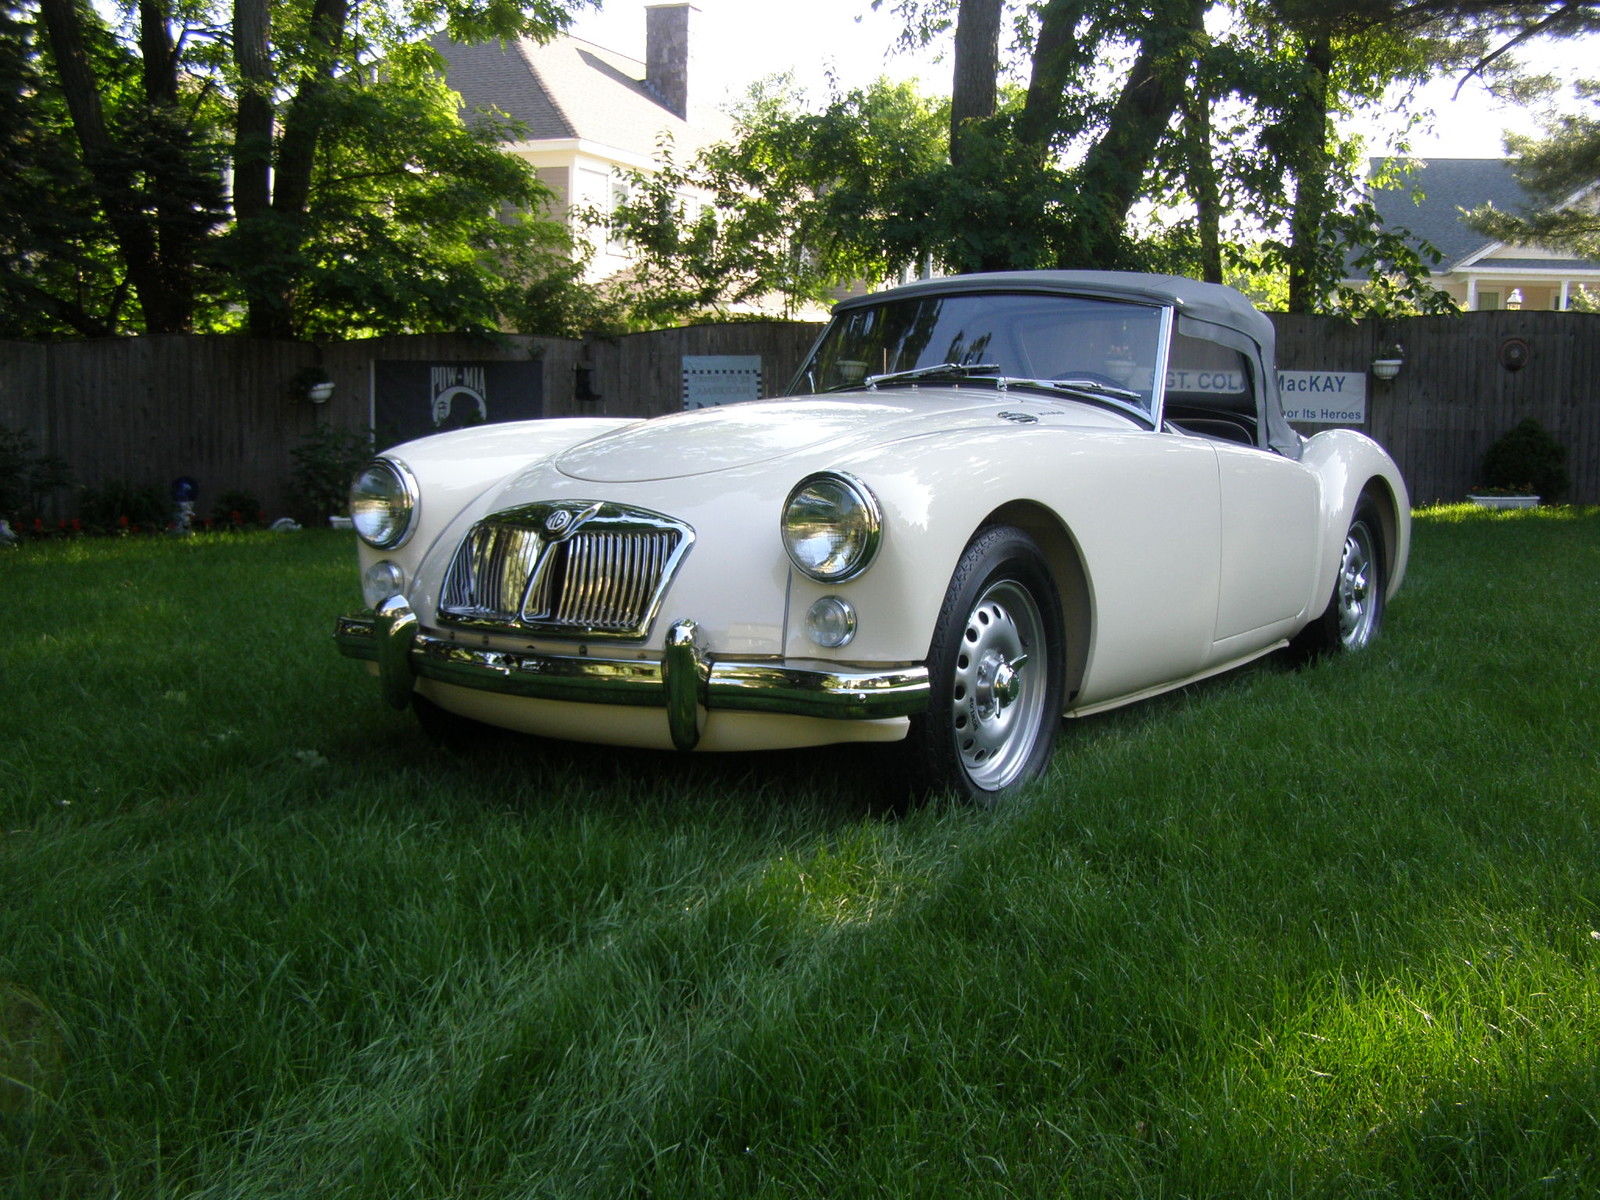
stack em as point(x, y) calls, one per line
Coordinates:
point(558, 521)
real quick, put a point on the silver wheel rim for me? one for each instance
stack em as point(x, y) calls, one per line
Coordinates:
point(1354, 592)
point(998, 692)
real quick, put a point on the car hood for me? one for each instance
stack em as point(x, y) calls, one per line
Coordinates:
point(743, 435)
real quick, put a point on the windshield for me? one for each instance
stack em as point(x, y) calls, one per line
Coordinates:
point(1104, 348)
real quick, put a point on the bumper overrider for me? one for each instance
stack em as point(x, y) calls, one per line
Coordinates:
point(684, 681)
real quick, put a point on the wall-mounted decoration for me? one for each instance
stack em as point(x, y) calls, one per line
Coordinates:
point(413, 399)
point(1514, 353)
point(711, 379)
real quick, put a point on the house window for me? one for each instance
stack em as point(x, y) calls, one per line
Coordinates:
point(616, 243)
point(1488, 301)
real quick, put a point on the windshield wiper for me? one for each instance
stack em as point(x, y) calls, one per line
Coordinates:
point(1091, 386)
point(949, 370)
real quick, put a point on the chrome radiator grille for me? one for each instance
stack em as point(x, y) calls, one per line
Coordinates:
point(570, 567)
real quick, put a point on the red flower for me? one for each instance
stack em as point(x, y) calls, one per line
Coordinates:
point(123, 521)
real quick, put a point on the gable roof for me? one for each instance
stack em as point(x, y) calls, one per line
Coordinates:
point(1450, 187)
point(569, 88)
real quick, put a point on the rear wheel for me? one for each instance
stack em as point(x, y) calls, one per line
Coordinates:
point(996, 672)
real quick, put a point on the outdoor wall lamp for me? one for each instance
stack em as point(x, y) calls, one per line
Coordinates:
point(320, 392)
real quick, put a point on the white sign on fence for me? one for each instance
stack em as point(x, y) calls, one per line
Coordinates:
point(710, 379)
point(1324, 397)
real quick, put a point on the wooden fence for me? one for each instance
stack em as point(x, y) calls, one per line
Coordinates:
point(226, 410)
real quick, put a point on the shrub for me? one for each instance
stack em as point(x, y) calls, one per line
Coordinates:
point(1527, 458)
point(236, 508)
point(119, 504)
point(324, 465)
point(26, 477)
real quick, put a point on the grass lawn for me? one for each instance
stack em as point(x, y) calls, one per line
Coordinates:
point(1333, 932)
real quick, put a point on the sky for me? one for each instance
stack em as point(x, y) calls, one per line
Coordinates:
point(739, 41)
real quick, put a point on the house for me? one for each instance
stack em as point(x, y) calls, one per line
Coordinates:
point(1478, 272)
point(590, 115)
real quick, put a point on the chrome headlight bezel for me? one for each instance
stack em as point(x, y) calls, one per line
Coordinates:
point(395, 490)
point(831, 501)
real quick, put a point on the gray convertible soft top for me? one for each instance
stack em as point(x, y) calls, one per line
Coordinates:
point(1210, 302)
point(1203, 301)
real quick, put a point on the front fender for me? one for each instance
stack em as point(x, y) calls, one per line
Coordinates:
point(1139, 510)
point(1349, 464)
point(454, 469)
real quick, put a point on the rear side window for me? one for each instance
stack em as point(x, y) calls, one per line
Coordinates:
point(1212, 391)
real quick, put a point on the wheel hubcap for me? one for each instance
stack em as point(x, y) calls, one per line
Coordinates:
point(1358, 602)
point(997, 697)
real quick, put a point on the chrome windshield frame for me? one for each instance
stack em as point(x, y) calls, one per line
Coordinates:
point(805, 382)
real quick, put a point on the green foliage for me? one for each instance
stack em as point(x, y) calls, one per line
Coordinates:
point(27, 477)
point(799, 204)
point(236, 509)
point(1213, 151)
point(121, 504)
point(58, 274)
point(1527, 458)
point(324, 465)
point(1558, 170)
point(375, 209)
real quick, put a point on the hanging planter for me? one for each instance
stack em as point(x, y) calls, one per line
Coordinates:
point(313, 384)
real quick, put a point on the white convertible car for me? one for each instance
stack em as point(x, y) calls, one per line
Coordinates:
point(989, 502)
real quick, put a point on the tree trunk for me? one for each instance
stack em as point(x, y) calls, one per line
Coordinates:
point(1311, 169)
point(271, 307)
point(1113, 172)
point(108, 166)
point(1053, 63)
point(1201, 170)
point(977, 67)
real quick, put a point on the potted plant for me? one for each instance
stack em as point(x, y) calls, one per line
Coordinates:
point(1390, 358)
point(1523, 466)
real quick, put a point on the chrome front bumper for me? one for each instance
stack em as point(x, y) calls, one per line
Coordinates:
point(684, 681)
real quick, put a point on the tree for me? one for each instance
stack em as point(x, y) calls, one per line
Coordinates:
point(798, 203)
point(58, 272)
point(1559, 171)
point(355, 192)
point(1222, 109)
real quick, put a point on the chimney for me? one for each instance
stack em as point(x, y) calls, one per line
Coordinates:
point(666, 54)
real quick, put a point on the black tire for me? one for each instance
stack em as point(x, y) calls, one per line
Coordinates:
point(997, 672)
point(1354, 616)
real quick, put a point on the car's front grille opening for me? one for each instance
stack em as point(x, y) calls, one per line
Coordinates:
point(598, 569)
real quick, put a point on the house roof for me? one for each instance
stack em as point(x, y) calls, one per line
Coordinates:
point(569, 88)
point(1449, 188)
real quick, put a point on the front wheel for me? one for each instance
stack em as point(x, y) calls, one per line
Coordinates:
point(996, 670)
point(1354, 614)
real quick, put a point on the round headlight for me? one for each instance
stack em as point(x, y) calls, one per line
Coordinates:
point(383, 503)
point(831, 527)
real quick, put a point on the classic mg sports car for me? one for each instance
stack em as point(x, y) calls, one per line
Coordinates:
point(989, 501)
